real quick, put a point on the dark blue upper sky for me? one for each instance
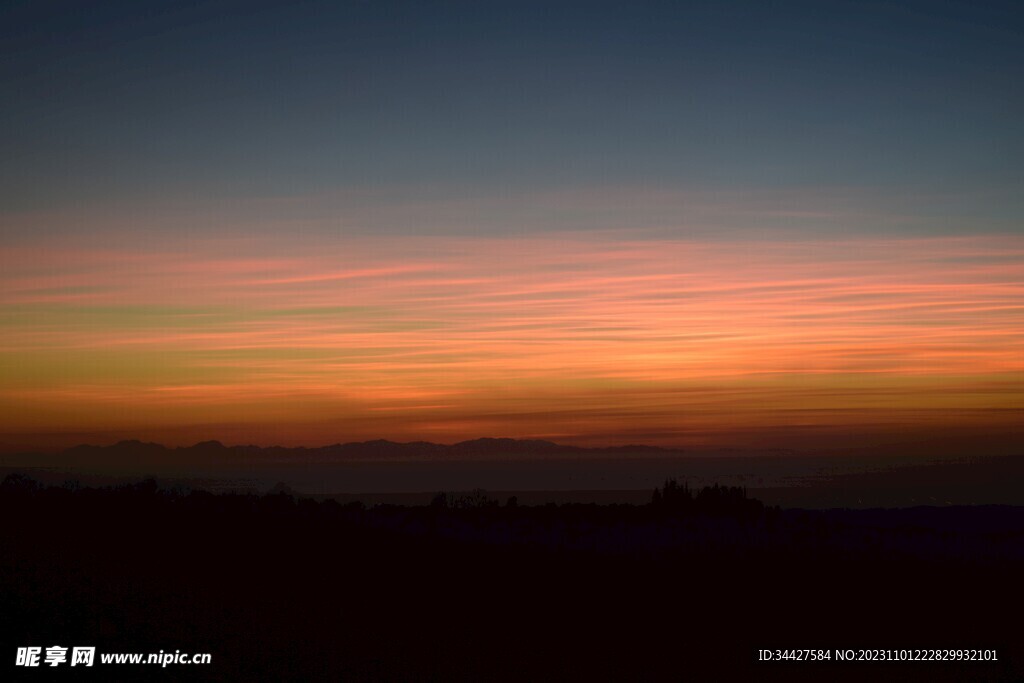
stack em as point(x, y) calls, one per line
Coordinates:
point(135, 101)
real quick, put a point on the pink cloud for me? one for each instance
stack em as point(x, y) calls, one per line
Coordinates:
point(381, 325)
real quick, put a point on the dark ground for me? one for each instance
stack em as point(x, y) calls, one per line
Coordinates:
point(279, 589)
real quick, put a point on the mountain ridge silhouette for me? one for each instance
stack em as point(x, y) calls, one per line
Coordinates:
point(136, 451)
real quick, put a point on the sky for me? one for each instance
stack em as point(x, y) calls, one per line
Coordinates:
point(746, 224)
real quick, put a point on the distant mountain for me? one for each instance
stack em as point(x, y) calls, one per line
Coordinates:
point(510, 446)
point(136, 452)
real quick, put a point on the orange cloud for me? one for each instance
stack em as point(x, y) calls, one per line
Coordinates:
point(561, 334)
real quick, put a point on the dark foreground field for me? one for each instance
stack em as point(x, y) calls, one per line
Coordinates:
point(468, 589)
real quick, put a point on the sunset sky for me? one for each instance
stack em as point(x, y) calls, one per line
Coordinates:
point(723, 223)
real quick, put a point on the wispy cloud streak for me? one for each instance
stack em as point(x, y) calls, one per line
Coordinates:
point(538, 335)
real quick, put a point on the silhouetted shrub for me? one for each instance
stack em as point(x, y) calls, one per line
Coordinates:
point(477, 498)
point(16, 482)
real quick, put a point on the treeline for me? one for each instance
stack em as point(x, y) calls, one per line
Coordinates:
point(715, 500)
point(671, 498)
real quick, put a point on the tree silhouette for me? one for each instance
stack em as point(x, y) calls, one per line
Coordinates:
point(716, 500)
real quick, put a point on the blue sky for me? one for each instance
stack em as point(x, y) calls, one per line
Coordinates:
point(137, 104)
